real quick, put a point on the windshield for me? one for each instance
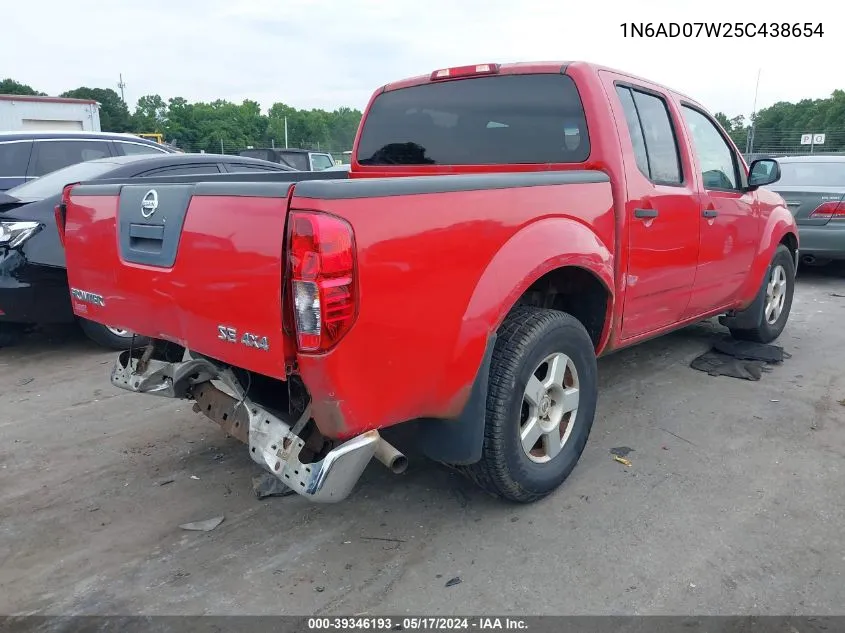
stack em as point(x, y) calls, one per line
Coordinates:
point(812, 174)
point(502, 120)
point(53, 183)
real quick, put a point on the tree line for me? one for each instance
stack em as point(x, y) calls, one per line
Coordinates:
point(210, 126)
point(780, 126)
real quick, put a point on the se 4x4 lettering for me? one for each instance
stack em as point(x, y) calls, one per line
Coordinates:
point(230, 335)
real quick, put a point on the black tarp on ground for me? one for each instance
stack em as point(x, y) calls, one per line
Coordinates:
point(739, 359)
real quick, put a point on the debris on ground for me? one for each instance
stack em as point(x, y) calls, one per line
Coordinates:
point(194, 477)
point(203, 526)
point(454, 581)
point(319, 589)
point(381, 538)
point(621, 451)
point(267, 485)
point(836, 294)
point(25, 381)
point(841, 402)
point(164, 482)
point(622, 460)
point(739, 359)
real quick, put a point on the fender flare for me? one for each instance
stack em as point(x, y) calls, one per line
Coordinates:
point(530, 253)
point(779, 224)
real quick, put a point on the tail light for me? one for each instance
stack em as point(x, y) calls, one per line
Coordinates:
point(61, 212)
point(828, 210)
point(465, 71)
point(321, 253)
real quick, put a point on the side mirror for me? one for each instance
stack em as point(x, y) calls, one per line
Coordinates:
point(763, 171)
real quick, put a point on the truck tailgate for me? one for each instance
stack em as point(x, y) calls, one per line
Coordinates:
point(179, 262)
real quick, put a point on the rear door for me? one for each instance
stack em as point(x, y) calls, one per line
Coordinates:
point(661, 209)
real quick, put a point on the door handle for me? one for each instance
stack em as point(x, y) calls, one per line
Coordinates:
point(710, 213)
point(645, 213)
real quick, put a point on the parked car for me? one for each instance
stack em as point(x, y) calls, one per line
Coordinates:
point(25, 156)
point(814, 190)
point(342, 167)
point(500, 228)
point(300, 159)
point(33, 280)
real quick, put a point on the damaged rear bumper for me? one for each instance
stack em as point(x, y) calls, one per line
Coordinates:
point(273, 441)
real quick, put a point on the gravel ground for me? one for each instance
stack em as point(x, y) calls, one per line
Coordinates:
point(734, 502)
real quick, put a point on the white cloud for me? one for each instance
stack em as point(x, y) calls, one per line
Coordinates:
point(329, 53)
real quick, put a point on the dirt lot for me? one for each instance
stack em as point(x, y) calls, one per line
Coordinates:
point(734, 502)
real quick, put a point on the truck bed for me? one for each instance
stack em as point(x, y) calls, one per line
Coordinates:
point(430, 250)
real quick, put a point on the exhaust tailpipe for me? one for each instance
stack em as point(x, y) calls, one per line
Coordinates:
point(808, 259)
point(387, 454)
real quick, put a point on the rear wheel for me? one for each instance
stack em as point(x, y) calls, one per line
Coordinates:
point(540, 405)
point(113, 338)
point(11, 333)
point(776, 294)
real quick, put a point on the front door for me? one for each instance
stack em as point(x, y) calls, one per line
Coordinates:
point(730, 221)
point(662, 210)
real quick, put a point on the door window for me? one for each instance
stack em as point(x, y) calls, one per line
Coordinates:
point(53, 155)
point(182, 170)
point(652, 135)
point(634, 128)
point(715, 156)
point(14, 158)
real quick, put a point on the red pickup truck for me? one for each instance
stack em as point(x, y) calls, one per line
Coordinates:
point(500, 228)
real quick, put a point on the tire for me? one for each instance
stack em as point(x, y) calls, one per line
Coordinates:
point(769, 328)
point(102, 335)
point(525, 340)
point(11, 333)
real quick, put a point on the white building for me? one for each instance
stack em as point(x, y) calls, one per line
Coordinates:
point(18, 112)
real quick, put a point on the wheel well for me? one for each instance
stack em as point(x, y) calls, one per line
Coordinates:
point(575, 291)
point(791, 242)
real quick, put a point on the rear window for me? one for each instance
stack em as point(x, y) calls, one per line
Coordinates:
point(297, 160)
point(130, 149)
point(812, 174)
point(53, 183)
point(262, 154)
point(321, 162)
point(502, 120)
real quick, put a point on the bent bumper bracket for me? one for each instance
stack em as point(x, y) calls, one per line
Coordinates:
point(271, 440)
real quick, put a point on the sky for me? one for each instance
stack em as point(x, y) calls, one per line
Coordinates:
point(333, 53)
